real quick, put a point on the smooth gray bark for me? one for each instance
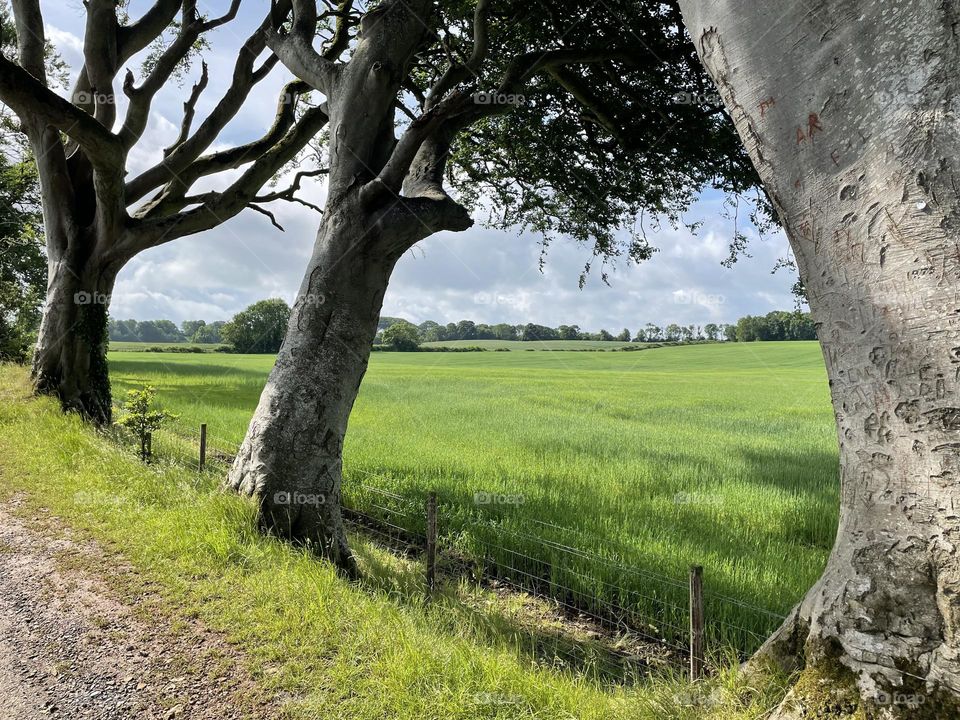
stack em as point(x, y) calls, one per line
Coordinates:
point(290, 459)
point(70, 358)
point(91, 224)
point(848, 109)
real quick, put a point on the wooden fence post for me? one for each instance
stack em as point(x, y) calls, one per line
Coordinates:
point(203, 445)
point(431, 540)
point(696, 623)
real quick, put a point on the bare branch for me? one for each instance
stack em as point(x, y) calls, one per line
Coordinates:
point(131, 39)
point(100, 58)
point(28, 97)
point(191, 28)
point(457, 73)
point(295, 49)
point(172, 198)
point(189, 110)
point(269, 214)
point(391, 177)
point(31, 43)
point(289, 194)
point(245, 77)
point(155, 229)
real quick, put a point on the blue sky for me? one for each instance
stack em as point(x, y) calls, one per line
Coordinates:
point(481, 274)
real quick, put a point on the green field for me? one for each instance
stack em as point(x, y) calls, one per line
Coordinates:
point(121, 346)
point(719, 455)
point(536, 344)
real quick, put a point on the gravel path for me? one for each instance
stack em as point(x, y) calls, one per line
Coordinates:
point(69, 648)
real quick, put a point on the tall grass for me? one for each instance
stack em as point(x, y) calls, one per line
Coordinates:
point(718, 455)
point(327, 648)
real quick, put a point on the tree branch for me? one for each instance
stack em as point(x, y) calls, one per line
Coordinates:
point(289, 194)
point(155, 229)
point(27, 96)
point(31, 43)
point(100, 58)
point(391, 177)
point(172, 197)
point(269, 214)
point(295, 49)
point(245, 76)
point(191, 28)
point(189, 110)
point(457, 73)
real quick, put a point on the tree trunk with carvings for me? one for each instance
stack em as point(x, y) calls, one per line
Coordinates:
point(849, 112)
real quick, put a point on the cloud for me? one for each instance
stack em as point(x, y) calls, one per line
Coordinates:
point(482, 274)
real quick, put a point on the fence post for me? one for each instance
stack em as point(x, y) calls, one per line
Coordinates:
point(148, 446)
point(696, 623)
point(431, 540)
point(203, 445)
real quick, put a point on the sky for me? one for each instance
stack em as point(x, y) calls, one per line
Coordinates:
point(481, 274)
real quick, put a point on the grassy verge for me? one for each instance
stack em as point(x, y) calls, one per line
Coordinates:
point(333, 649)
point(720, 455)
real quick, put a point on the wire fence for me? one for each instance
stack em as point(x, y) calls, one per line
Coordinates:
point(484, 544)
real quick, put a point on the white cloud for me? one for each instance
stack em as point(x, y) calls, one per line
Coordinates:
point(481, 274)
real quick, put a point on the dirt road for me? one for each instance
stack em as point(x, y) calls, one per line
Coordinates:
point(71, 648)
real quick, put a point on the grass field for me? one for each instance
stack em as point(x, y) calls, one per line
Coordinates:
point(119, 346)
point(536, 344)
point(328, 648)
point(719, 455)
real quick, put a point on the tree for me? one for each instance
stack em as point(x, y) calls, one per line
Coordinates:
point(96, 218)
point(503, 331)
point(430, 331)
point(641, 336)
point(23, 266)
point(402, 336)
point(189, 328)
point(141, 419)
point(712, 331)
point(209, 333)
point(848, 110)
point(624, 335)
point(466, 330)
point(653, 332)
point(561, 116)
point(259, 328)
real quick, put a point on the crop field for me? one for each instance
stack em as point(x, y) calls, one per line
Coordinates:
point(536, 344)
point(720, 455)
point(123, 346)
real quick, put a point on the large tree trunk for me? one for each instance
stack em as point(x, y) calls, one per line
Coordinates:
point(70, 360)
point(848, 109)
point(291, 460)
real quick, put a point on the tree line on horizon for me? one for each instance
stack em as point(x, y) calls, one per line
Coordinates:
point(260, 328)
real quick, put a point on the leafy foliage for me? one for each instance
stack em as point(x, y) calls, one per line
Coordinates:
point(140, 418)
point(402, 336)
point(592, 147)
point(258, 329)
point(23, 265)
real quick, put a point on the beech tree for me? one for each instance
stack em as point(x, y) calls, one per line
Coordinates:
point(95, 217)
point(849, 110)
point(561, 118)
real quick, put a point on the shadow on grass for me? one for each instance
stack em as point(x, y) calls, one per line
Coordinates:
point(509, 619)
